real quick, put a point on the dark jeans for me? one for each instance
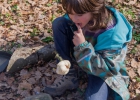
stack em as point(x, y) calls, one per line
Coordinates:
point(97, 89)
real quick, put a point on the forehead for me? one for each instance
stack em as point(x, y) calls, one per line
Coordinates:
point(72, 12)
point(74, 8)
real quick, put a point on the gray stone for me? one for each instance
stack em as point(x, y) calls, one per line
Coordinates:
point(27, 56)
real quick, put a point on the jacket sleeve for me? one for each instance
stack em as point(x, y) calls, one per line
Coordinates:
point(103, 63)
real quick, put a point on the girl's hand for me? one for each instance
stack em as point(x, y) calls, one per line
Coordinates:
point(78, 37)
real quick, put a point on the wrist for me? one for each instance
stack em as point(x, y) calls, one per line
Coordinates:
point(80, 46)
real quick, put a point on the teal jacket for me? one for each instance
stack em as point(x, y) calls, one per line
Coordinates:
point(105, 58)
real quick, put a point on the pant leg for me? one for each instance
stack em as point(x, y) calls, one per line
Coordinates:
point(63, 38)
point(97, 89)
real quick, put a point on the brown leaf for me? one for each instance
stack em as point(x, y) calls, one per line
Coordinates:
point(2, 75)
point(14, 87)
point(2, 42)
point(52, 65)
point(138, 58)
point(38, 75)
point(36, 38)
point(41, 69)
point(139, 71)
point(132, 2)
point(37, 89)
point(10, 96)
point(2, 96)
point(25, 93)
point(47, 74)
point(31, 80)
point(24, 86)
point(131, 73)
point(134, 63)
point(32, 2)
point(137, 91)
point(20, 41)
point(137, 97)
point(10, 81)
point(4, 10)
point(24, 74)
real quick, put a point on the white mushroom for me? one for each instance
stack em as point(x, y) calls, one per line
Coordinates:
point(63, 67)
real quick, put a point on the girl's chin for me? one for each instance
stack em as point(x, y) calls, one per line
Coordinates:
point(82, 26)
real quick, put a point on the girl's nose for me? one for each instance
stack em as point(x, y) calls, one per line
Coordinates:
point(75, 19)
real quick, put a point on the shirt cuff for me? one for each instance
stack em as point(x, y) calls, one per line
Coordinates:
point(81, 46)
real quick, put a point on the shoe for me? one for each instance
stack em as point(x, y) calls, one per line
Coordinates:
point(63, 83)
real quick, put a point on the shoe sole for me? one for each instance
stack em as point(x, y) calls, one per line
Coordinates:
point(62, 91)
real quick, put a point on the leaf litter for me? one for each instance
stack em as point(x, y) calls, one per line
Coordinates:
point(25, 23)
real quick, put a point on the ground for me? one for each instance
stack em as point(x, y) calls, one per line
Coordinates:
point(27, 23)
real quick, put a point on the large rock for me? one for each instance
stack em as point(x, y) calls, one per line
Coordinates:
point(42, 96)
point(26, 56)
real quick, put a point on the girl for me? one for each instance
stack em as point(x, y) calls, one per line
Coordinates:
point(99, 46)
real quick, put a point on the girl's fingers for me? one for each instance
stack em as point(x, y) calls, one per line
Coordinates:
point(75, 32)
point(79, 31)
point(79, 28)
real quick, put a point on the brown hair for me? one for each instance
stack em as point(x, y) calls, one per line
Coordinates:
point(97, 7)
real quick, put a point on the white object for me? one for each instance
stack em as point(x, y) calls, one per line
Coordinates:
point(63, 67)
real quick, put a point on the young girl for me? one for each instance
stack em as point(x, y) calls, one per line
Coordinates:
point(98, 45)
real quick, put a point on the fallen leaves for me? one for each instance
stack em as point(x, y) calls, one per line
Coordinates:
point(134, 70)
point(20, 16)
point(28, 22)
point(24, 86)
point(131, 73)
point(26, 82)
point(134, 63)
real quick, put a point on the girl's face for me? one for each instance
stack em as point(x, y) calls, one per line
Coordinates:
point(80, 19)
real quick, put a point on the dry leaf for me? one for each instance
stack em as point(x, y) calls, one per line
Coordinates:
point(139, 71)
point(37, 89)
point(24, 86)
point(2, 75)
point(10, 96)
point(131, 73)
point(14, 87)
point(31, 80)
point(24, 74)
point(134, 63)
point(32, 2)
point(2, 42)
point(10, 81)
point(137, 91)
point(38, 75)
point(25, 93)
point(52, 65)
point(2, 96)
point(132, 2)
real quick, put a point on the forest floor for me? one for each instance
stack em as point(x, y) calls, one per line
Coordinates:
point(27, 23)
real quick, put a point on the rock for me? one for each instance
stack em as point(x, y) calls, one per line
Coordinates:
point(26, 56)
point(41, 96)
